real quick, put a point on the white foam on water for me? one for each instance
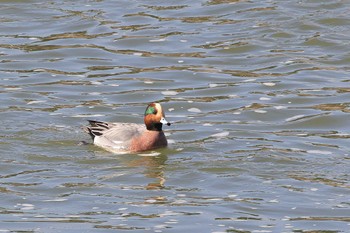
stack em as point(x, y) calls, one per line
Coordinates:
point(96, 83)
point(169, 92)
point(264, 98)
point(233, 96)
point(250, 80)
point(220, 135)
point(269, 84)
point(171, 141)
point(12, 88)
point(320, 152)
point(87, 115)
point(232, 195)
point(294, 118)
point(279, 107)
point(196, 110)
point(151, 201)
point(151, 154)
point(157, 40)
point(211, 85)
point(56, 200)
point(36, 102)
point(94, 93)
point(25, 206)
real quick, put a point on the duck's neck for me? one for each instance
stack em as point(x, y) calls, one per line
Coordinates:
point(154, 127)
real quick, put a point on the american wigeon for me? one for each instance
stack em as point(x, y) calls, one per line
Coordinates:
point(131, 137)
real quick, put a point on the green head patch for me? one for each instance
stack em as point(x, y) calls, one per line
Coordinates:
point(150, 110)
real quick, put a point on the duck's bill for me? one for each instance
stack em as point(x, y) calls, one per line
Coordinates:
point(165, 122)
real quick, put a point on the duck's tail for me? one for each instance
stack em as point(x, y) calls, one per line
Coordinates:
point(95, 128)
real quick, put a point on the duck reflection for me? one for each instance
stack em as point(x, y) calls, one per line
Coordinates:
point(154, 168)
point(152, 163)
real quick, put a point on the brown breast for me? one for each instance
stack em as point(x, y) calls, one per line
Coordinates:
point(148, 141)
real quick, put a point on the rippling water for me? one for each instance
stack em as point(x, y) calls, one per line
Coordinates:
point(258, 92)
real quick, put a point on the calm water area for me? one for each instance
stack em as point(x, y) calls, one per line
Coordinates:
point(258, 93)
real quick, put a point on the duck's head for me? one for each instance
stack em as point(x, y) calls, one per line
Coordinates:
point(155, 117)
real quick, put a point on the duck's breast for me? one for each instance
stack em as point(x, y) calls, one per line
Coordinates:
point(148, 140)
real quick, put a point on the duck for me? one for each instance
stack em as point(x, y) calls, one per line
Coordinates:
point(117, 137)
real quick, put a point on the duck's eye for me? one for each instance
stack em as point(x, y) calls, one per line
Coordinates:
point(150, 110)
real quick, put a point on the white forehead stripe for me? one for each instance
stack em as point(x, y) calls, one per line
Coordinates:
point(159, 108)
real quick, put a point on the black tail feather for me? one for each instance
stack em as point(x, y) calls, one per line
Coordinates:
point(98, 124)
point(95, 128)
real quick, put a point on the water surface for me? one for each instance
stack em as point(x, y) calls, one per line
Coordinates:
point(257, 92)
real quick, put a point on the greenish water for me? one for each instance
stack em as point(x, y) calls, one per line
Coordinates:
point(258, 93)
